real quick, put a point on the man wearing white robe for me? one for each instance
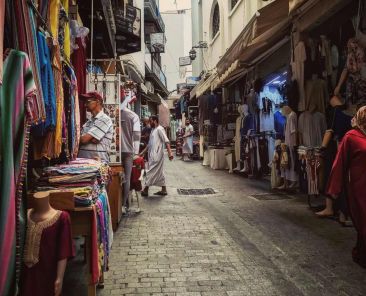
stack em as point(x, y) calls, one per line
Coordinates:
point(155, 168)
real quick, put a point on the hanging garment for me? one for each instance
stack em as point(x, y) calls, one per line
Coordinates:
point(312, 127)
point(15, 119)
point(78, 59)
point(48, 87)
point(298, 71)
point(349, 173)
point(24, 27)
point(317, 96)
point(279, 125)
point(238, 137)
point(47, 242)
point(291, 130)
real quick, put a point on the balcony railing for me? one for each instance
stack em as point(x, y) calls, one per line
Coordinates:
point(152, 13)
point(158, 72)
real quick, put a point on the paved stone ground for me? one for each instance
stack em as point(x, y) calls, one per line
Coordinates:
point(229, 243)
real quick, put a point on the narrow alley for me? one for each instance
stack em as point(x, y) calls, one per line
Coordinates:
point(229, 243)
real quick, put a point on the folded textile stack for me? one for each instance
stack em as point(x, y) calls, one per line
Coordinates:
point(87, 178)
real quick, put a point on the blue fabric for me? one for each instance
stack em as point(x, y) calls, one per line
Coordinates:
point(279, 125)
point(341, 123)
point(48, 87)
point(246, 125)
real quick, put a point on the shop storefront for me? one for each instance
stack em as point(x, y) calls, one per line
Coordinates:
point(270, 104)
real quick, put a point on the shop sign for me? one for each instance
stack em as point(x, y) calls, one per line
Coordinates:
point(129, 21)
point(157, 42)
point(185, 61)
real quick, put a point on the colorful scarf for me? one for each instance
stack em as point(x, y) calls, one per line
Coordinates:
point(16, 96)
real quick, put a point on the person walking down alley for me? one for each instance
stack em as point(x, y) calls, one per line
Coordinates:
point(155, 149)
point(97, 133)
point(349, 173)
point(188, 141)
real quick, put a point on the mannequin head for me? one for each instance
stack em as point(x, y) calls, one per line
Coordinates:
point(41, 201)
point(240, 109)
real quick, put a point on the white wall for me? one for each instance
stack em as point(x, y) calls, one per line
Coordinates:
point(232, 22)
point(178, 32)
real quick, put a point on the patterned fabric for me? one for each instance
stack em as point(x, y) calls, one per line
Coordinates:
point(15, 118)
point(48, 86)
point(25, 39)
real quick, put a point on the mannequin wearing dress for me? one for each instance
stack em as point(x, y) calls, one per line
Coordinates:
point(48, 247)
point(237, 138)
point(243, 127)
point(290, 176)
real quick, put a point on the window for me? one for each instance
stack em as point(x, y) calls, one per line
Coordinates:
point(216, 20)
point(233, 3)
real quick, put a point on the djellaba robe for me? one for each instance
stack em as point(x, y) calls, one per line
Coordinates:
point(155, 169)
point(349, 173)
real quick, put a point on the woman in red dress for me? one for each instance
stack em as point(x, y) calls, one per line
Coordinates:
point(349, 172)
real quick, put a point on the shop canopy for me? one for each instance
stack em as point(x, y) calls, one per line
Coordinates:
point(309, 14)
point(268, 27)
point(204, 85)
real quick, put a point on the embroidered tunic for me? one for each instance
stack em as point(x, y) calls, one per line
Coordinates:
point(47, 242)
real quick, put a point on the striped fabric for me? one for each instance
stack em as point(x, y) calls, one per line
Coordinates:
point(100, 128)
point(15, 103)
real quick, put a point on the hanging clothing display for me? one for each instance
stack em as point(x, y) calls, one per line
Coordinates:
point(312, 127)
point(47, 242)
point(298, 72)
point(316, 95)
point(17, 113)
point(266, 118)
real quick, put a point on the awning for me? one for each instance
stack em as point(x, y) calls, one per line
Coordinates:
point(206, 85)
point(152, 97)
point(274, 15)
point(311, 13)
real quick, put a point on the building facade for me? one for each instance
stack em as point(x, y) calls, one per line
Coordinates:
point(219, 23)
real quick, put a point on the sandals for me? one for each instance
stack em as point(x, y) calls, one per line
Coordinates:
point(162, 193)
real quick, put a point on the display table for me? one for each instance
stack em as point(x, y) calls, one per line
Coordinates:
point(115, 195)
point(217, 158)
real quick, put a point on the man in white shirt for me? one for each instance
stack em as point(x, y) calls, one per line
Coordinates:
point(97, 132)
point(188, 140)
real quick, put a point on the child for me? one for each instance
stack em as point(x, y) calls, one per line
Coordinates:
point(136, 177)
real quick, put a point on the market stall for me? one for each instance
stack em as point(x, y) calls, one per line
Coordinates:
point(43, 75)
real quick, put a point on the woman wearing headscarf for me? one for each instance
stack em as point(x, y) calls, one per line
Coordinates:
point(349, 173)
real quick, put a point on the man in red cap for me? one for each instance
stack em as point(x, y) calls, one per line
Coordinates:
point(97, 132)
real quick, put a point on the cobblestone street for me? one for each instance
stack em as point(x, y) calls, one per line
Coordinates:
point(229, 243)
